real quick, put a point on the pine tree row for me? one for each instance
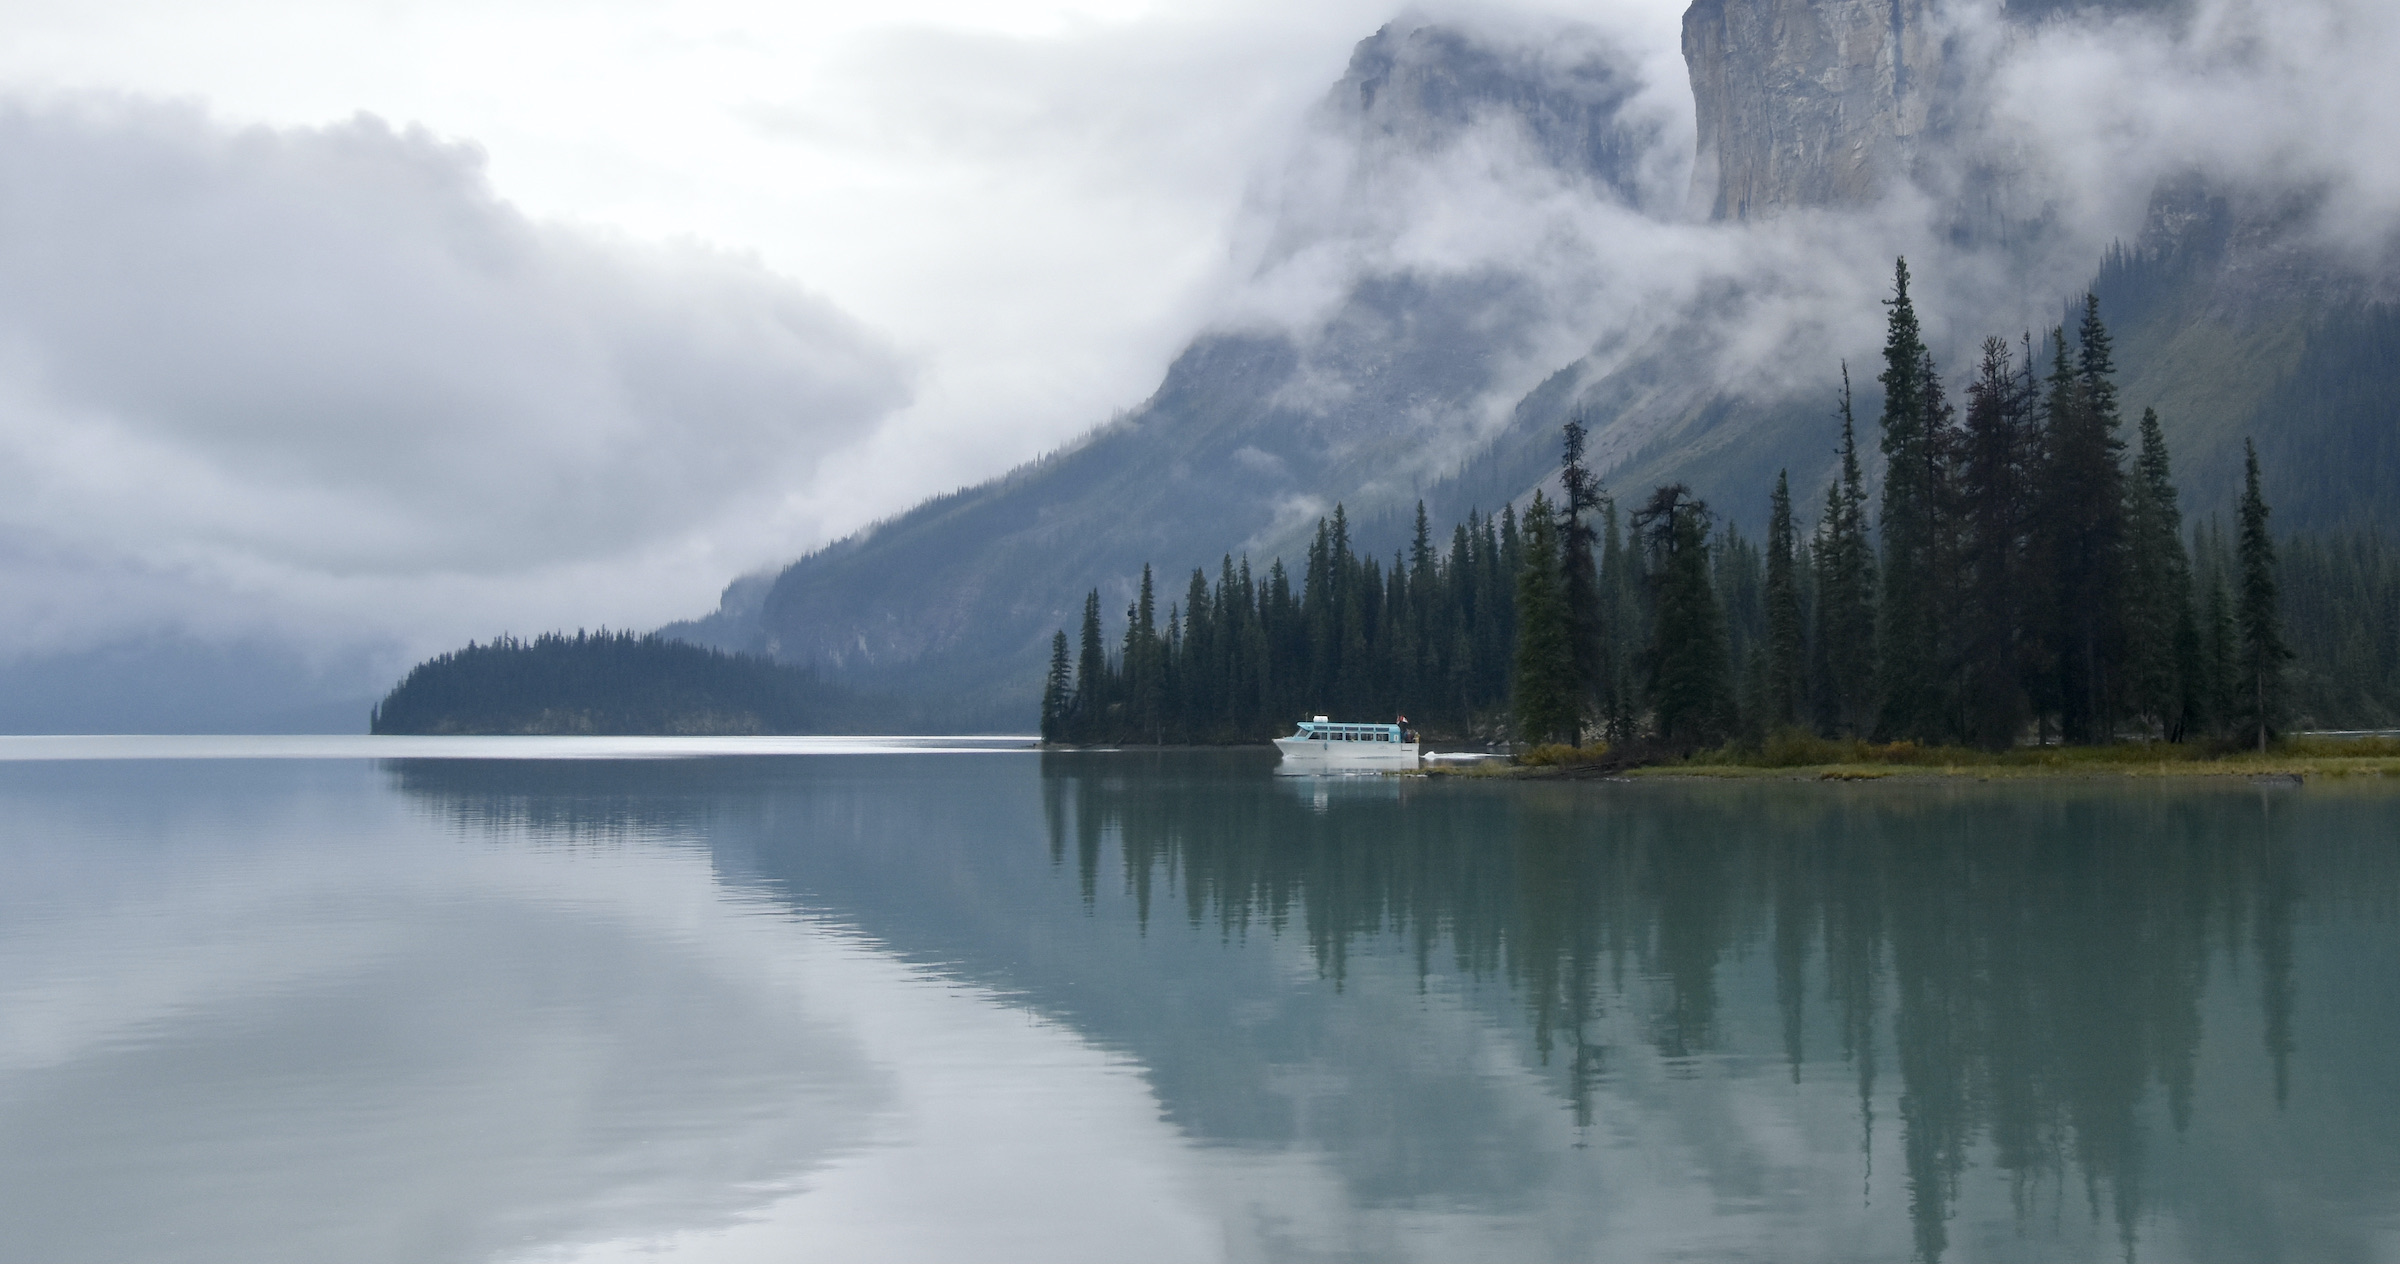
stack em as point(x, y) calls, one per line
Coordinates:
point(2024, 583)
point(1240, 657)
point(2019, 582)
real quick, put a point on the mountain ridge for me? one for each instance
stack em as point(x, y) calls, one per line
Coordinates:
point(1424, 381)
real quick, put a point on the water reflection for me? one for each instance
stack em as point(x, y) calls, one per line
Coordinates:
point(1749, 1021)
point(2033, 961)
point(256, 1012)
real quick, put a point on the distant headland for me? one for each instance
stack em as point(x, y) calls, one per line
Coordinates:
point(617, 683)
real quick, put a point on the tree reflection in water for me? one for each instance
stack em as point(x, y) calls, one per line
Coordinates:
point(2032, 964)
point(2038, 955)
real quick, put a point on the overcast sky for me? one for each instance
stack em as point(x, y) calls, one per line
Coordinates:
point(414, 322)
point(449, 318)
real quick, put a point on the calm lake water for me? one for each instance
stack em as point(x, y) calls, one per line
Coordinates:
point(861, 1003)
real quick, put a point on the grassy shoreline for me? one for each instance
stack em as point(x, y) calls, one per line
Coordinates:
point(2302, 758)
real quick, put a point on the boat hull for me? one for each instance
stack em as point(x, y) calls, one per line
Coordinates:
point(1304, 758)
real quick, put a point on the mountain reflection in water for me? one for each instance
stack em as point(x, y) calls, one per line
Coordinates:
point(2068, 1002)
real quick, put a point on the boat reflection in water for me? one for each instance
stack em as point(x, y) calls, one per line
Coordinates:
point(1319, 747)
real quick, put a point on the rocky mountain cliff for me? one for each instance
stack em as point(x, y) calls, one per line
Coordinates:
point(1701, 340)
point(1809, 102)
point(1830, 103)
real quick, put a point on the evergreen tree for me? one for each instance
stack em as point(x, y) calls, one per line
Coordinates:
point(1320, 613)
point(1058, 690)
point(1740, 581)
point(1845, 565)
point(1621, 587)
point(1091, 677)
point(2082, 510)
point(2339, 595)
point(1143, 664)
point(1690, 686)
point(1544, 688)
point(2259, 683)
point(1918, 451)
point(1785, 685)
point(2162, 633)
point(1576, 538)
point(1420, 671)
point(1995, 477)
point(1459, 685)
point(1194, 672)
point(1286, 645)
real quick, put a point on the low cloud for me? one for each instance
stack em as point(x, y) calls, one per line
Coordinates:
point(327, 382)
point(326, 377)
point(2296, 96)
point(2064, 132)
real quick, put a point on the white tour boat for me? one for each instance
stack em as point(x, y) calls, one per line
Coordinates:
point(1321, 746)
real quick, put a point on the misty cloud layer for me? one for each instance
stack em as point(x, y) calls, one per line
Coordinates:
point(329, 387)
point(327, 374)
point(2065, 128)
point(2272, 100)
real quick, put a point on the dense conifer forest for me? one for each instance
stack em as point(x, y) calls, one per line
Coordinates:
point(616, 683)
point(2023, 575)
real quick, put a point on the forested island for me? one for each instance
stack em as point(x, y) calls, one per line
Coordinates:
point(617, 683)
point(2024, 576)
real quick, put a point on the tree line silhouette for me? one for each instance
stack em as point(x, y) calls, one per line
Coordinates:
point(616, 683)
point(2021, 579)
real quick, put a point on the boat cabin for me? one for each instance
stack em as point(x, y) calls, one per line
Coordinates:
point(1320, 730)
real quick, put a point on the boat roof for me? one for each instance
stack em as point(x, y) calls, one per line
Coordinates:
point(1322, 723)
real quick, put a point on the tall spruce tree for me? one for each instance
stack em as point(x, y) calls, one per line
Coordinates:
point(2258, 691)
point(1425, 640)
point(1845, 566)
point(1543, 688)
point(1621, 596)
point(1690, 685)
point(1786, 684)
point(1091, 676)
point(2082, 516)
point(1995, 486)
point(1739, 576)
point(1058, 691)
point(1195, 675)
point(1579, 502)
point(2162, 633)
point(1142, 664)
point(1918, 450)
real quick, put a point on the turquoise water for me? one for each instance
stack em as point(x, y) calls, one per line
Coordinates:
point(866, 1002)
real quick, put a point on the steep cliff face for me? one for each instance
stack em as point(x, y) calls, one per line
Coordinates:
point(1825, 103)
point(1809, 102)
